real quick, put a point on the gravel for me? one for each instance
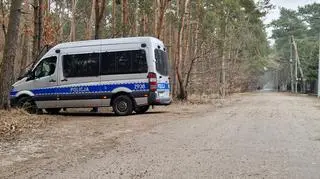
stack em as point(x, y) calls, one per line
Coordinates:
point(258, 135)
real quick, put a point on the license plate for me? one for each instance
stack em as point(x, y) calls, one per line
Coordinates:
point(163, 94)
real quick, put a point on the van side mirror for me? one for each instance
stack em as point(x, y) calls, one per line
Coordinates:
point(30, 76)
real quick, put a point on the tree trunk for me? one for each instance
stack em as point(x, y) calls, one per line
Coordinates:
point(182, 91)
point(36, 30)
point(125, 17)
point(24, 59)
point(175, 52)
point(3, 18)
point(90, 24)
point(136, 22)
point(25, 46)
point(156, 6)
point(114, 4)
point(61, 21)
point(186, 46)
point(97, 22)
point(145, 24)
point(73, 20)
point(222, 44)
point(40, 24)
point(162, 4)
point(99, 7)
point(195, 52)
point(7, 67)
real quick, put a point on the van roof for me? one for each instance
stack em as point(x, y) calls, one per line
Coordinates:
point(107, 41)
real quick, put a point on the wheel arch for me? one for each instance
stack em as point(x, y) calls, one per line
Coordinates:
point(129, 94)
point(21, 94)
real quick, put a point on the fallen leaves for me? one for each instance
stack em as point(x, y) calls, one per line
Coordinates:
point(16, 122)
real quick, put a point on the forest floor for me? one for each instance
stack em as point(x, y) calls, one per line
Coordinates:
point(254, 135)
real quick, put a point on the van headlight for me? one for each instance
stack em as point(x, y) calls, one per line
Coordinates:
point(12, 91)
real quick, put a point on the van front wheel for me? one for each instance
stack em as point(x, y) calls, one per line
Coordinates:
point(122, 105)
point(141, 109)
point(27, 104)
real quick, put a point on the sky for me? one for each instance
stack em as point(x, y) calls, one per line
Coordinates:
point(289, 4)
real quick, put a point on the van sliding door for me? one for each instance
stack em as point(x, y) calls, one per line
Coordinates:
point(79, 80)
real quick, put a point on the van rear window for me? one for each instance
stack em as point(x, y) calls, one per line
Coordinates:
point(124, 62)
point(162, 64)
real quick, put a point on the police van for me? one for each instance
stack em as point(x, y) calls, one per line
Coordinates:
point(129, 74)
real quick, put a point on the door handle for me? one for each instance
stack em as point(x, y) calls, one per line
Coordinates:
point(52, 81)
point(64, 79)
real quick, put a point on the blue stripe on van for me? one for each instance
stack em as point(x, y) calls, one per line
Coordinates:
point(13, 92)
point(92, 88)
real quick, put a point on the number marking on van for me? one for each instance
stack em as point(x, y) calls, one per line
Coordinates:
point(139, 87)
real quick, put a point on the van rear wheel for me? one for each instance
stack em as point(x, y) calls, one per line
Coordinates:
point(141, 109)
point(27, 104)
point(122, 105)
point(53, 110)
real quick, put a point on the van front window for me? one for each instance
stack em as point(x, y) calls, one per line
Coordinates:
point(162, 64)
point(46, 67)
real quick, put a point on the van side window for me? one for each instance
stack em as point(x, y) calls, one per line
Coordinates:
point(46, 67)
point(124, 62)
point(81, 65)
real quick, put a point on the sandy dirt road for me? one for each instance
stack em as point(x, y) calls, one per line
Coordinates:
point(259, 135)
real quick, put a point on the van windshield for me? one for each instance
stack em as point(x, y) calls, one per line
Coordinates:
point(162, 64)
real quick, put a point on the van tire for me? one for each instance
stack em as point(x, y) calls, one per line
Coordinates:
point(53, 110)
point(122, 105)
point(141, 109)
point(28, 104)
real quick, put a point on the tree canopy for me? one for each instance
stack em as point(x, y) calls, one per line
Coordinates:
point(304, 25)
point(225, 38)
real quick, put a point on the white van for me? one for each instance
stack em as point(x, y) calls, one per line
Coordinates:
point(129, 74)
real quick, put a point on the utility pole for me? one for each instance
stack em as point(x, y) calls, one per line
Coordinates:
point(291, 66)
point(298, 65)
point(319, 69)
point(295, 70)
point(277, 80)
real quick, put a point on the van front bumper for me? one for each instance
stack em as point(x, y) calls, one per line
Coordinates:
point(13, 102)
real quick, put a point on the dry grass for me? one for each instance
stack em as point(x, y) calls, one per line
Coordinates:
point(211, 99)
point(16, 122)
point(204, 99)
point(197, 99)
